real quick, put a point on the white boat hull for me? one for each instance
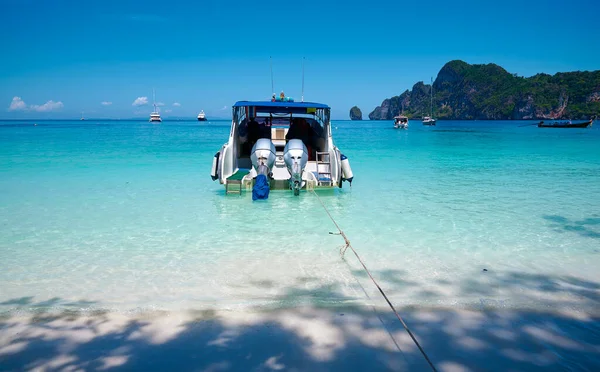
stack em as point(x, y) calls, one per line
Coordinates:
point(317, 165)
point(429, 121)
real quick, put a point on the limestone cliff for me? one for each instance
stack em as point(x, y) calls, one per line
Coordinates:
point(464, 91)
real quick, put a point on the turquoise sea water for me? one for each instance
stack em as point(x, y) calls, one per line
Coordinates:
point(124, 215)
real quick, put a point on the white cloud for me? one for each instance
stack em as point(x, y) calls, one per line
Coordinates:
point(106, 103)
point(17, 104)
point(224, 108)
point(167, 111)
point(177, 104)
point(48, 106)
point(140, 101)
point(159, 104)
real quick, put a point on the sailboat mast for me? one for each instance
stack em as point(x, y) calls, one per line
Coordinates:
point(154, 98)
point(431, 90)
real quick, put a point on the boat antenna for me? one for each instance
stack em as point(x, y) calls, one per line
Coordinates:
point(154, 98)
point(302, 79)
point(431, 90)
point(272, 89)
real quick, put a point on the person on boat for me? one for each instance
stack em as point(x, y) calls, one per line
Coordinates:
point(265, 129)
point(300, 129)
point(253, 131)
point(281, 96)
point(249, 133)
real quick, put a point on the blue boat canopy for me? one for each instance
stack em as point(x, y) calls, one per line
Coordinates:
point(282, 106)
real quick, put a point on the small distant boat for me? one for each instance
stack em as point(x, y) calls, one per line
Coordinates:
point(401, 122)
point(82, 116)
point(565, 124)
point(201, 116)
point(429, 120)
point(154, 115)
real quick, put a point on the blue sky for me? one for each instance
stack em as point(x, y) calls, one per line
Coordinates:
point(60, 58)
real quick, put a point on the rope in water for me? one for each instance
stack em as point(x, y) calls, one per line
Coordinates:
point(343, 251)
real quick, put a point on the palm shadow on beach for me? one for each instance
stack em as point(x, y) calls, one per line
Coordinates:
point(588, 227)
point(314, 335)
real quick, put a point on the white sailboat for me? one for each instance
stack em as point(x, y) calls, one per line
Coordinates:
point(429, 120)
point(154, 116)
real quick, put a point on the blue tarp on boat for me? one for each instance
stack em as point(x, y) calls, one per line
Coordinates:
point(261, 188)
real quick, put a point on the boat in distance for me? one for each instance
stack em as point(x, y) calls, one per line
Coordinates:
point(401, 122)
point(565, 124)
point(154, 115)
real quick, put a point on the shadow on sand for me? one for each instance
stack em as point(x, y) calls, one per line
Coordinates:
point(588, 227)
point(310, 337)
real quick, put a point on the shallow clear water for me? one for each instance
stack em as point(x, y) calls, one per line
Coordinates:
point(124, 215)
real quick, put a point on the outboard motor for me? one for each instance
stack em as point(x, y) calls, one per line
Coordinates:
point(263, 158)
point(295, 156)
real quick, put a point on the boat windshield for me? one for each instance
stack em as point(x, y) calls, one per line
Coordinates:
point(281, 110)
point(281, 122)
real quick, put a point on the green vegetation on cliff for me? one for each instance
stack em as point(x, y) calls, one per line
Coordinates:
point(355, 113)
point(464, 91)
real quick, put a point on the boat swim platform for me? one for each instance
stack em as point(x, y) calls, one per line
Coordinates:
point(238, 182)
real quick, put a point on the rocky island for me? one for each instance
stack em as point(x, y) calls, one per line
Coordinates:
point(355, 113)
point(487, 92)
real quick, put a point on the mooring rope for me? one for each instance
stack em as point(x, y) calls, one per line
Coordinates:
point(343, 251)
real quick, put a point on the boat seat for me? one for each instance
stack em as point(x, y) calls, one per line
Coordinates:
point(278, 136)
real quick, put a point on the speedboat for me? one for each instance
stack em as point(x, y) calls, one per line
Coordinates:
point(428, 120)
point(281, 145)
point(201, 116)
point(401, 122)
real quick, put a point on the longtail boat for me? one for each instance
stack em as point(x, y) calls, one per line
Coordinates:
point(565, 124)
